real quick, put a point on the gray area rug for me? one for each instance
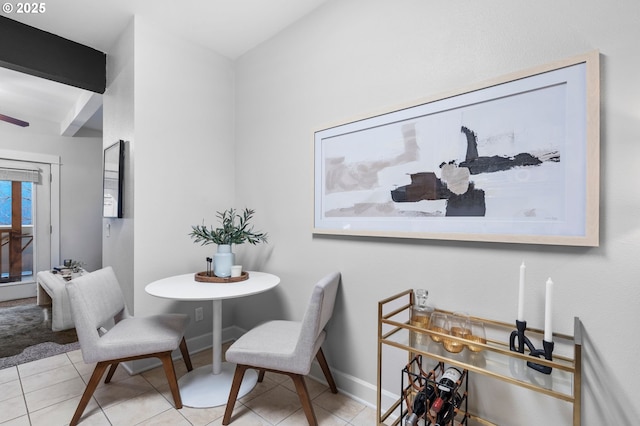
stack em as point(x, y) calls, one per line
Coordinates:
point(25, 335)
point(36, 352)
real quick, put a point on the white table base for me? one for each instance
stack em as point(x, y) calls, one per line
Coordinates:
point(209, 386)
point(201, 388)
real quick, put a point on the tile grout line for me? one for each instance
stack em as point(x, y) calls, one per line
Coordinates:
point(24, 395)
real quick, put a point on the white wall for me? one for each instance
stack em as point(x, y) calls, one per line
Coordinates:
point(354, 57)
point(80, 185)
point(184, 158)
point(118, 123)
point(171, 101)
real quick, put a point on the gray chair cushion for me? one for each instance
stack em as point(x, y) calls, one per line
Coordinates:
point(139, 336)
point(273, 345)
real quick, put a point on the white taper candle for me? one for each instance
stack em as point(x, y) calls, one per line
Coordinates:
point(548, 303)
point(521, 294)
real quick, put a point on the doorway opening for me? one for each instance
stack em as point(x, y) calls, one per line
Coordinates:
point(27, 215)
point(16, 228)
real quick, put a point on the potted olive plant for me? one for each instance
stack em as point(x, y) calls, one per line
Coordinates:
point(235, 229)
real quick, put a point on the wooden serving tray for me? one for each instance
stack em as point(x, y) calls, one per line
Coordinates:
point(204, 278)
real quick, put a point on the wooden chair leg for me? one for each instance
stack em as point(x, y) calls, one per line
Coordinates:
point(305, 400)
point(89, 390)
point(233, 393)
point(170, 371)
point(185, 354)
point(261, 375)
point(112, 370)
point(325, 369)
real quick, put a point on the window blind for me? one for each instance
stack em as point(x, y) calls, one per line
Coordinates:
point(19, 175)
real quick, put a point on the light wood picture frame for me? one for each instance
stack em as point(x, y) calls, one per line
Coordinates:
point(515, 159)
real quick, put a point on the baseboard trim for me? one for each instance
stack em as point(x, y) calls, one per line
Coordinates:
point(353, 387)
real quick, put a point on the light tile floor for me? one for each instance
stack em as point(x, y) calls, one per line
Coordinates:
point(47, 391)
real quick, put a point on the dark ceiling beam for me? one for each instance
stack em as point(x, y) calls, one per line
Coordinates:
point(36, 52)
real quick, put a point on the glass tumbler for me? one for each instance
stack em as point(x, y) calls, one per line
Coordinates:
point(459, 326)
point(439, 322)
point(477, 335)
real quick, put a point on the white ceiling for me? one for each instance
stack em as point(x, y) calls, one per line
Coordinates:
point(228, 27)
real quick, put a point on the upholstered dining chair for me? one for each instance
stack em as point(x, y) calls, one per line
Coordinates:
point(97, 302)
point(287, 347)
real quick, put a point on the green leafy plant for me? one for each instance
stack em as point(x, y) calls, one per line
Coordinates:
point(235, 230)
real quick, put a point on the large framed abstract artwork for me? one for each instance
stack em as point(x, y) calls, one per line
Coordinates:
point(515, 159)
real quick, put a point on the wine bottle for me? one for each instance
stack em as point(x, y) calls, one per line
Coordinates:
point(447, 414)
point(420, 404)
point(446, 386)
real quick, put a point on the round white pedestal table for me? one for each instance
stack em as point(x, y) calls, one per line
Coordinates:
point(209, 386)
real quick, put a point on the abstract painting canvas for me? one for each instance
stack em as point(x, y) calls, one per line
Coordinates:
point(511, 160)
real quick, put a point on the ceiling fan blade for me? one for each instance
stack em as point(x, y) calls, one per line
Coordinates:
point(13, 120)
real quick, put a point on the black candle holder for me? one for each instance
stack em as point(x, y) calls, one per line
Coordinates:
point(518, 341)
